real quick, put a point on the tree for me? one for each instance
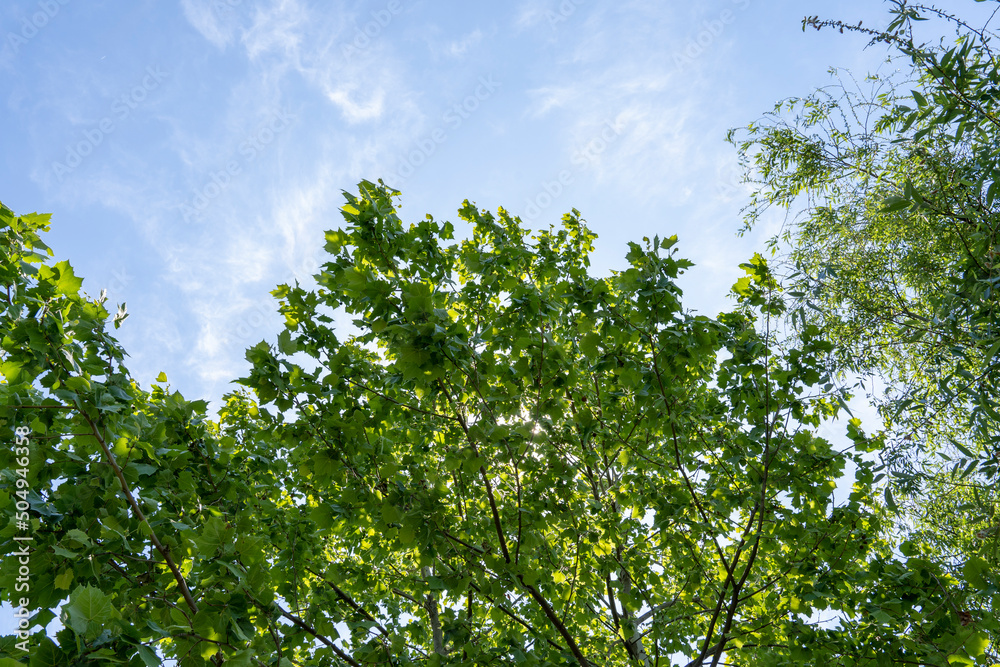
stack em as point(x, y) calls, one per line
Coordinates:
point(893, 252)
point(509, 461)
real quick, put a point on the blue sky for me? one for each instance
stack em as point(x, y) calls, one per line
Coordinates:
point(192, 152)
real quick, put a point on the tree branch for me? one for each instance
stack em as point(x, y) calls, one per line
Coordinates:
point(160, 547)
point(302, 625)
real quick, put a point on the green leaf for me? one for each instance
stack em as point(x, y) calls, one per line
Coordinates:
point(64, 579)
point(87, 609)
point(890, 502)
point(243, 658)
point(335, 240)
point(66, 281)
point(743, 286)
point(391, 513)
point(149, 656)
point(45, 653)
point(322, 514)
point(589, 344)
point(214, 535)
point(976, 644)
point(12, 371)
point(472, 465)
point(974, 570)
point(79, 536)
point(893, 204)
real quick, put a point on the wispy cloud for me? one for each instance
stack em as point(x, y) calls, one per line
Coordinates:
point(361, 105)
point(530, 14)
point(356, 105)
point(461, 46)
point(279, 29)
point(553, 97)
point(216, 21)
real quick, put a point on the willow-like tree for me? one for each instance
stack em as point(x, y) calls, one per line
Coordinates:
point(893, 250)
point(508, 461)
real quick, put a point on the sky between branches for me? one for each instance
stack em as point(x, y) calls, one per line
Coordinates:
point(193, 152)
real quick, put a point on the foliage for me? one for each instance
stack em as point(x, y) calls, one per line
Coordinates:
point(510, 461)
point(894, 254)
point(116, 487)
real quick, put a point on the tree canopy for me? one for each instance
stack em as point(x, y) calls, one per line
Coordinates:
point(510, 460)
point(892, 251)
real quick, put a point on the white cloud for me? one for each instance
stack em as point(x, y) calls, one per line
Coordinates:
point(222, 326)
point(287, 37)
point(299, 213)
point(553, 97)
point(358, 107)
point(266, 226)
point(152, 333)
point(217, 27)
point(279, 29)
point(460, 47)
point(530, 14)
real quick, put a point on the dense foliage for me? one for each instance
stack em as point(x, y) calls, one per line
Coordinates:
point(511, 460)
point(893, 252)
